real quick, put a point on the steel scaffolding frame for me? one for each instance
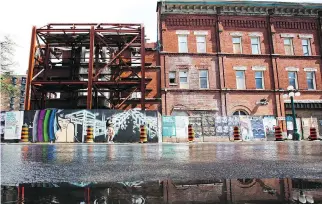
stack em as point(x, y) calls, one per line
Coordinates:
point(117, 38)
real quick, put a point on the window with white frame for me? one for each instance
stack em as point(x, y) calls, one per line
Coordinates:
point(201, 43)
point(183, 43)
point(255, 45)
point(136, 95)
point(183, 78)
point(203, 79)
point(259, 79)
point(292, 79)
point(172, 77)
point(240, 80)
point(288, 46)
point(306, 45)
point(310, 79)
point(237, 46)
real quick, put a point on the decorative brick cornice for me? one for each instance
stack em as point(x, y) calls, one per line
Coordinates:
point(295, 25)
point(171, 21)
point(241, 8)
point(244, 23)
point(188, 54)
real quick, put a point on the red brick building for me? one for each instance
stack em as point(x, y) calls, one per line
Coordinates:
point(225, 58)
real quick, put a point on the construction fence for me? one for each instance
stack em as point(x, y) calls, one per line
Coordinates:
point(220, 128)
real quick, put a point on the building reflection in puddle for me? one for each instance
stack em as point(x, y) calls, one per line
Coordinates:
point(168, 191)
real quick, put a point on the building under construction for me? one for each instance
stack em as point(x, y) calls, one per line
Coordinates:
point(92, 66)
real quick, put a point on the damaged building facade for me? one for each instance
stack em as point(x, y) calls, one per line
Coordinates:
point(85, 66)
point(238, 58)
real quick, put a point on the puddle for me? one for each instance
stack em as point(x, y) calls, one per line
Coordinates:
point(282, 190)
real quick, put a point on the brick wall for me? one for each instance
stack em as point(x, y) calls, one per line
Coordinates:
point(248, 62)
point(222, 75)
point(247, 102)
point(170, 38)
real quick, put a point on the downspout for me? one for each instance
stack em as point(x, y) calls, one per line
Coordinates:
point(218, 50)
point(165, 92)
point(320, 38)
point(160, 49)
point(271, 52)
point(223, 71)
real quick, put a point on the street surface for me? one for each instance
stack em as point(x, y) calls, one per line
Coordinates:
point(22, 163)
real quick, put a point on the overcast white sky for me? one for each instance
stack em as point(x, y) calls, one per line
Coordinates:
point(18, 17)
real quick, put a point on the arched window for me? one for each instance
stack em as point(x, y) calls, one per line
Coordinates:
point(246, 183)
point(240, 112)
point(179, 113)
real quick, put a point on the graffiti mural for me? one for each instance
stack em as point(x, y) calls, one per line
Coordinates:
point(208, 125)
point(246, 128)
point(13, 122)
point(196, 122)
point(269, 125)
point(60, 125)
point(224, 125)
point(258, 127)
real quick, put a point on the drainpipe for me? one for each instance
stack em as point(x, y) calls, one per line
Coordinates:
point(320, 38)
point(218, 50)
point(165, 87)
point(271, 52)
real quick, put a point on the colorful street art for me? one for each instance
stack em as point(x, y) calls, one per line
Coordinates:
point(257, 127)
point(269, 125)
point(196, 122)
point(168, 126)
point(60, 125)
point(246, 128)
point(13, 121)
point(225, 125)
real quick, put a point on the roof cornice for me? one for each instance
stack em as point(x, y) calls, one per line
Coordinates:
point(240, 8)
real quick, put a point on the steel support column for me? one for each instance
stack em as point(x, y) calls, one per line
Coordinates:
point(90, 69)
point(30, 68)
point(115, 57)
point(142, 68)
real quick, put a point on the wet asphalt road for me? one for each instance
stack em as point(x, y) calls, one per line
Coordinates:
point(146, 162)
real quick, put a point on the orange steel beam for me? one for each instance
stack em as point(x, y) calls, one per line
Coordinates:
point(93, 24)
point(115, 57)
point(117, 82)
point(86, 30)
point(36, 83)
point(142, 68)
point(90, 69)
point(119, 105)
point(30, 68)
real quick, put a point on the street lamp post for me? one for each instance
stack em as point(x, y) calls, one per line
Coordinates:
point(291, 93)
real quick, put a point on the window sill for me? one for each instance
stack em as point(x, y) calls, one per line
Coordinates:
point(173, 84)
